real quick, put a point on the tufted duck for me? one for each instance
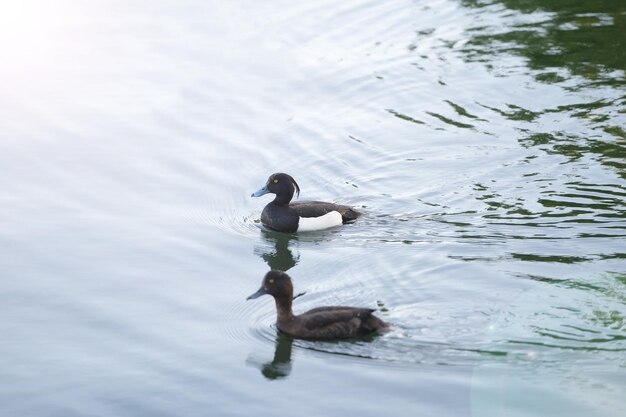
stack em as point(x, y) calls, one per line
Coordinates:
point(281, 216)
point(318, 323)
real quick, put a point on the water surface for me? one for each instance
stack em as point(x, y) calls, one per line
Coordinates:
point(484, 140)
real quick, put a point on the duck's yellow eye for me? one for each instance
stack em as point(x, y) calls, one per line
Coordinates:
point(275, 180)
point(271, 280)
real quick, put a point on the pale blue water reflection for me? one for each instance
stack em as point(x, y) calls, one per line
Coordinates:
point(483, 140)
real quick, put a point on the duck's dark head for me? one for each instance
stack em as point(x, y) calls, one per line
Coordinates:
point(277, 284)
point(283, 185)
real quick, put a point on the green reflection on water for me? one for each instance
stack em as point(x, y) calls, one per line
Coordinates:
point(549, 258)
point(577, 45)
point(585, 37)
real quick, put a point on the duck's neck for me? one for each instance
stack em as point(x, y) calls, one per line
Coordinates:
point(283, 308)
point(283, 199)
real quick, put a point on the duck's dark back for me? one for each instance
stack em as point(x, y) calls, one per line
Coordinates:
point(333, 322)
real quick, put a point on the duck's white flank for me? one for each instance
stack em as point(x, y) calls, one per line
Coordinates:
point(330, 219)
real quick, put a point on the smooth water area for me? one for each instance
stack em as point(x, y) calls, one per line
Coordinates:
point(484, 140)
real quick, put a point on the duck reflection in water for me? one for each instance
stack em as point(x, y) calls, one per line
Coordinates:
point(280, 366)
point(276, 253)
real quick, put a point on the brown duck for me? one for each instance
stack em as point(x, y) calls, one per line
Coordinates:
point(321, 322)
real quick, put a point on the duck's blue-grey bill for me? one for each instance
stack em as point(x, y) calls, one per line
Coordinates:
point(261, 192)
point(257, 294)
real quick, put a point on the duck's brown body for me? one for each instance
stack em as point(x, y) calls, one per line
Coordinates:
point(319, 323)
point(331, 323)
